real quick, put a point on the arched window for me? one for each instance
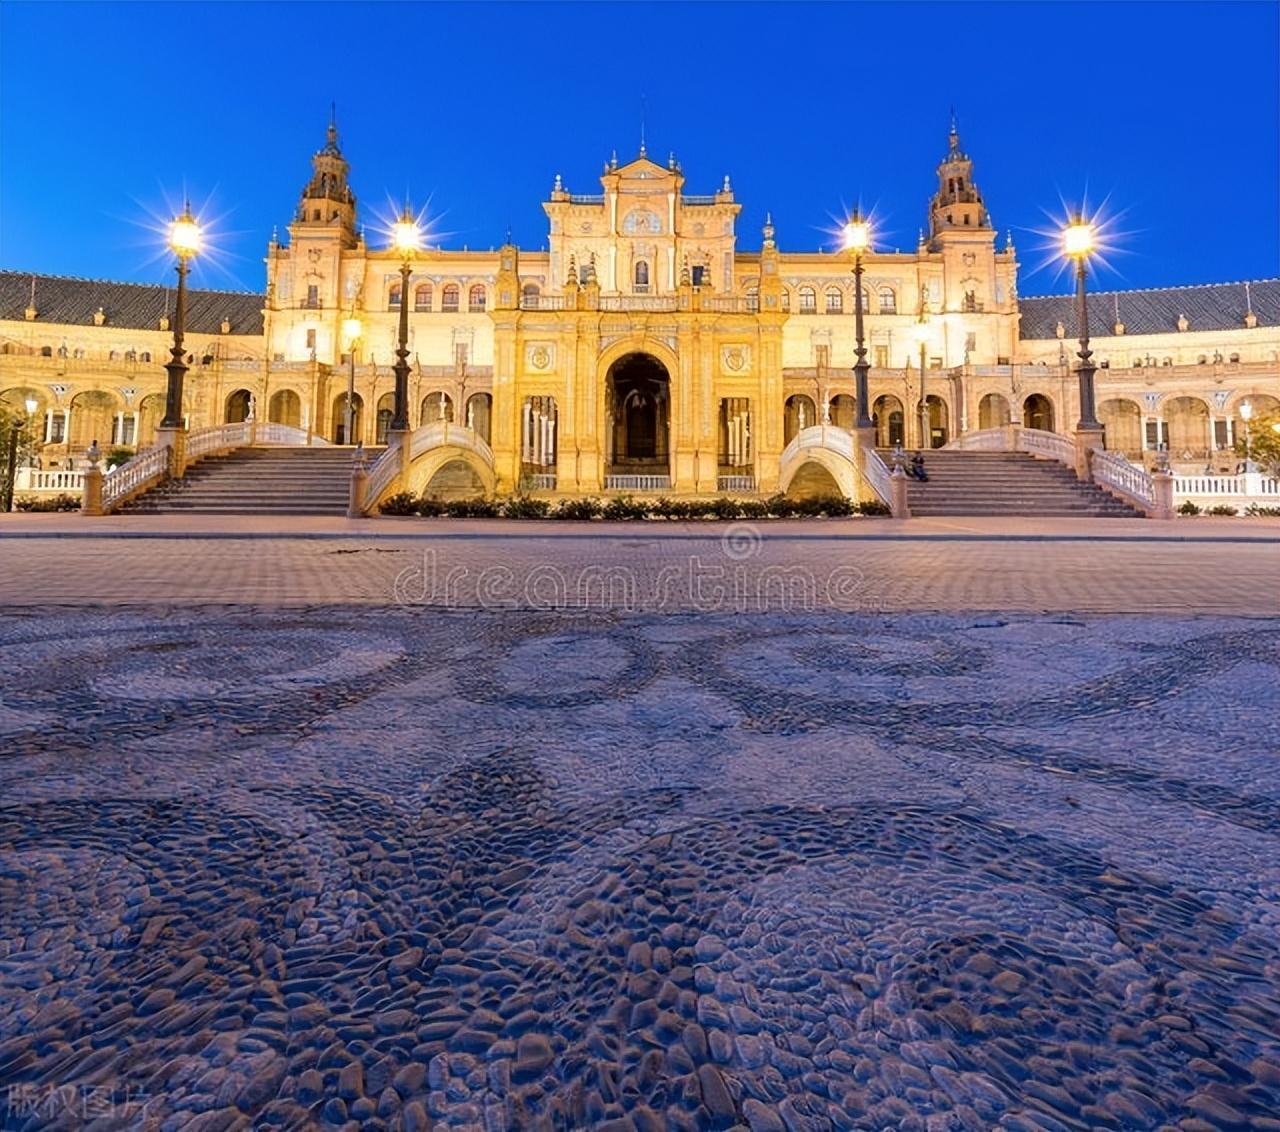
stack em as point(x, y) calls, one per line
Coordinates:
point(145, 355)
point(475, 299)
point(888, 301)
point(449, 297)
point(808, 300)
point(46, 351)
point(131, 355)
point(393, 298)
point(835, 301)
point(786, 299)
point(530, 293)
point(1234, 358)
point(422, 297)
point(642, 275)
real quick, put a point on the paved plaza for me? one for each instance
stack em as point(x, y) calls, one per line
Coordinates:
point(798, 826)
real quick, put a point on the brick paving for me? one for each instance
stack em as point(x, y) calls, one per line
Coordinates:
point(666, 827)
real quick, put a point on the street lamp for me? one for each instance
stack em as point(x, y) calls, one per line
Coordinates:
point(1077, 244)
point(406, 236)
point(920, 332)
point(184, 242)
point(353, 328)
point(1246, 415)
point(19, 423)
point(857, 239)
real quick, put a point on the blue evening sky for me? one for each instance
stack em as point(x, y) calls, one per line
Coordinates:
point(1169, 111)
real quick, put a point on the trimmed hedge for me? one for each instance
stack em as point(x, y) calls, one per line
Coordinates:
point(55, 503)
point(626, 507)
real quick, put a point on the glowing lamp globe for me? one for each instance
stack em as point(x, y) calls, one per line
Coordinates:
point(32, 405)
point(1077, 239)
point(352, 328)
point(857, 235)
point(920, 333)
point(1246, 411)
point(184, 235)
point(405, 234)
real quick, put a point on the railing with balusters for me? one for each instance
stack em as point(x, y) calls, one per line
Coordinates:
point(1115, 473)
point(637, 483)
point(541, 481)
point(126, 480)
point(741, 484)
point(272, 432)
point(382, 472)
point(217, 438)
point(37, 479)
point(1051, 445)
point(984, 440)
point(438, 434)
point(876, 473)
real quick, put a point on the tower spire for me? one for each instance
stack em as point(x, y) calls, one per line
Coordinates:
point(642, 112)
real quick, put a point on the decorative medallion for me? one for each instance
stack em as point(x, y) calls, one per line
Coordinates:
point(734, 358)
point(539, 357)
point(584, 227)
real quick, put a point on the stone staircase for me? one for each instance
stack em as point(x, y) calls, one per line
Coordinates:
point(1006, 483)
point(258, 481)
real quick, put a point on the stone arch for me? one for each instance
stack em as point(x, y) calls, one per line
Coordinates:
point(639, 379)
point(798, 413)
point(1187, 427)
point(339, 419)
point(427, 467)
point(436, 406)
point(836, 467)
point(1038, 412)
point(237, 405)
point(889, 418)
point(150, 414)
point(1122, 426)
point(993, 411)
point(844, 411)
point(285, 407)
point(92, 416)
point(383, 415)
point(479, 415)
point(939, 421)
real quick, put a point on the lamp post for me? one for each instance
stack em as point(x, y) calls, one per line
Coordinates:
point(406, 237)
point(857, 239)
point(921, 334)
point(19, 423)
point(184, 241)
point(1077, 244)
point(353, 329)
point(1246, 415)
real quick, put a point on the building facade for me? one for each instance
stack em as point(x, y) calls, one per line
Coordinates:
point(642, 350)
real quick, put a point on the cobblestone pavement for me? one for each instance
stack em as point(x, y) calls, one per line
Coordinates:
point(1230, 567)
point(402, 867)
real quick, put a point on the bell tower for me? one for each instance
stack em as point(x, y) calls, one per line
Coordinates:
point(957, 204)
point(327, 200)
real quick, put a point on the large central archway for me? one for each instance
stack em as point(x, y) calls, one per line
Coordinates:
point(639, 416)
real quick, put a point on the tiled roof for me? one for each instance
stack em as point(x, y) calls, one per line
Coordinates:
point(65, 299)
point(1208, 306)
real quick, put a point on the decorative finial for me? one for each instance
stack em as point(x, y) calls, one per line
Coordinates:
point(768, 229)
point(685, 279)
point(573, 271)
point(671, 160)
point(508, 234)
point(558, 187)
point(642, 108)
point(613, 160)
point(727, 188)
point(1008, 240)
point(920, 236)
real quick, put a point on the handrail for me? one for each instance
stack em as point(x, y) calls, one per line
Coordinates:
point(820, 436)
point(48, 479)
point(1053, 445)
point(1126, 479)
point(273, 432)
point(383, 471)
point(876, 473)
point(202, 441)
point(438, 434)
point(147, 468)
point(983, 440)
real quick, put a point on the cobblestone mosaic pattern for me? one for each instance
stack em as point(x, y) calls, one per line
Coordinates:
point(405, 868)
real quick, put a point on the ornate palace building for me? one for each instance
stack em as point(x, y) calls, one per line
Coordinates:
point(643, 349)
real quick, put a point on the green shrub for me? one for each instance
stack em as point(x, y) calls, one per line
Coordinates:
point(471, 508)
point(753, 509)
point(579, 509)
point(781, 507)
point(1188, 508)
point(117, 456)
point(522, 507)
point(1222, 509)
point(402, 503)
point(723, 508)
point(431, 508)
point(53, 503)
point(838, 507)
point(873, 507)
point(1258, 510)
point(624, 507)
